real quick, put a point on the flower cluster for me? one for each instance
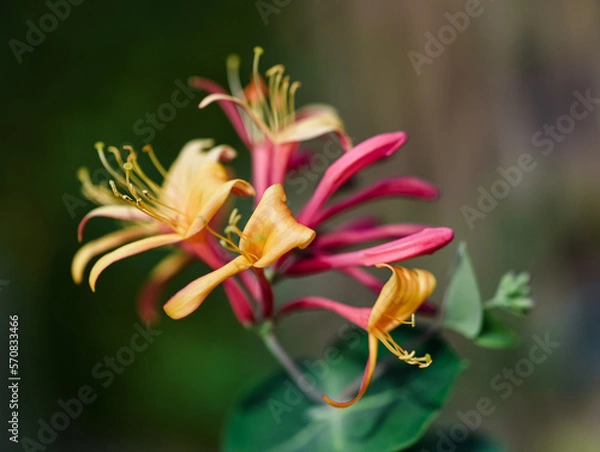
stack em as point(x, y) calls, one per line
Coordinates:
point(191, 209)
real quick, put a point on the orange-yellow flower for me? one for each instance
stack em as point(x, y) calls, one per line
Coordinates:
point(193, 190)
point(271, 232)
point(398, 300)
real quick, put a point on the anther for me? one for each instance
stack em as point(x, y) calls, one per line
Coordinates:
point(113, 186)
point(129, 149)
point(233, 61)
point(277, 69)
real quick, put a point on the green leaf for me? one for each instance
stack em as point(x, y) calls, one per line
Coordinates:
point(496, 334)
point(512, 294)
point(394, 413)
point(444, 441)
point(462, 306)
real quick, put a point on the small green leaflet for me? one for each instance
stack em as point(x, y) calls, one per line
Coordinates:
point(462, 305)
point(512, 294)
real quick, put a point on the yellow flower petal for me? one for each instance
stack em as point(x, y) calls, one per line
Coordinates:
point(188, 299)
point(117, 212)
point(400, 297)
point(367, 376)
point(197, 185)
point(192, 157)
point(209, 193)
point(272, 230)
point(318, 120)
point(128, 250)
point(91, 249)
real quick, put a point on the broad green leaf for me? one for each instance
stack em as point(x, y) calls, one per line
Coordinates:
point(462, 306)
point(496, 334)
point(394, 413)
point(451, 441)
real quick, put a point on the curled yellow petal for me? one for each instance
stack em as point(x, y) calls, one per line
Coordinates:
point(197, 184)
point(318, 120)
point(117, 212)
point(188, 299)
point(211, 191)
point(193, 156)
point(367, 376)
point(400, 297)
point(272, 230)
point(128, 250)
point(92, 249)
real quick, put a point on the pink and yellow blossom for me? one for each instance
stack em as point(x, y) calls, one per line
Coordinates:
point(397, 302)
point(270, 233)
point(265, 117)
point(177, 212)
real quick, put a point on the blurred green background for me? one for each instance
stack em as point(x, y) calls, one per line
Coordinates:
point(474, 108)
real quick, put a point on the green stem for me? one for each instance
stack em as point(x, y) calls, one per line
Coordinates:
point(272, 343)
point(493, 303)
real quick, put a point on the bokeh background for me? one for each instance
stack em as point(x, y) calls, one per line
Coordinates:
point(474, 108)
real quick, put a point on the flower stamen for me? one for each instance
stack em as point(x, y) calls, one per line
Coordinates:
point(233, 76)
point(229, 244)
point(148, 149)
point(411, 322)
point(409, 358)
point(96, 193)
point(143, 178)
point(100, 148)
point(258, 85)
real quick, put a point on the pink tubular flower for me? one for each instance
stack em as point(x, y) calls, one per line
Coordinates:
point(264, 116)
point(403, 241)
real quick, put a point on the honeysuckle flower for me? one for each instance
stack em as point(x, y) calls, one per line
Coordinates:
point(265, 118)
point(398, 301)
point(271, 232)
point(406, 240)
point(176, 212)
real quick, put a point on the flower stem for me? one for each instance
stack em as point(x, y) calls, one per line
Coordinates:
point(266, 293)
point(272, 343)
